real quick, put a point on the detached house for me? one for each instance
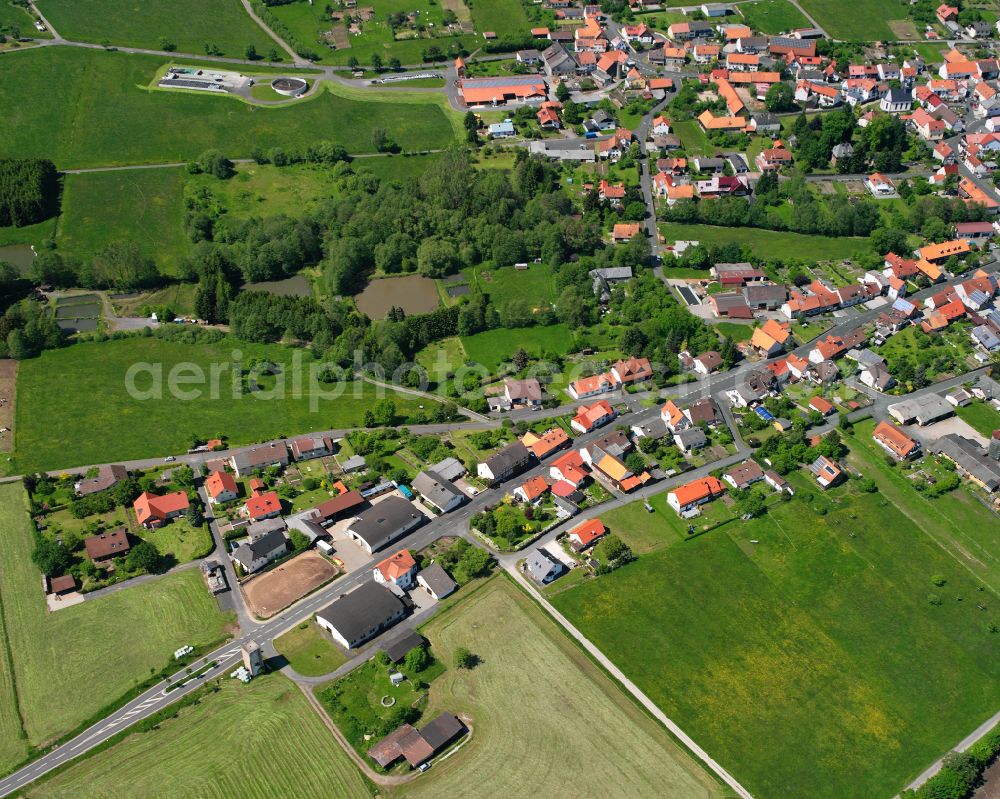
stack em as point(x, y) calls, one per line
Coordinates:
point(153, 511)
point(399, 569)
point(688, 497)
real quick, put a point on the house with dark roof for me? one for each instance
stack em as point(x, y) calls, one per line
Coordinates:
point(543, 567)
point(505, 464)
point(107, 545)
point(106, 477)
point(417, 746)
point(309, 447)
point(385, 522)
point(971, 460)
point(437, 491)
point(361, 615)
point(743, 475)
point(254, 556)
point(340, 507)
point(258, 458)
point(435, 581)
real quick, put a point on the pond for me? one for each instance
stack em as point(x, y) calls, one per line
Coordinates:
point(295, 286)
point(414, 294)
point(18, 255)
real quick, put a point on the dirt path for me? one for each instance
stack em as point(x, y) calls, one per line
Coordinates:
point(296, 59)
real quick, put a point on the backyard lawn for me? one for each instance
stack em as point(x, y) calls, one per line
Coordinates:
point(183, 23)
point(984, 418)
point(61, 660)
point(773, 16)
point(768, 243)
point(153, 126)
point(543, 715)
point(141, 205)
point(534, 285)
point(205, 749)
point(54, 429)
point(309, 651)
point(493, 347)
point(503, 17)
point(799, 629)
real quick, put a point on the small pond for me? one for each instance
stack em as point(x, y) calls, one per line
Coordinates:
point(415, 294)
point(295, 286)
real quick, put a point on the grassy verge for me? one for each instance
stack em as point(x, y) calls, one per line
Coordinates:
point(308, 651)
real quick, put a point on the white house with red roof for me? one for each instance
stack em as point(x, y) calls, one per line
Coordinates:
point(399, 569)
point(152, 510)
point(585, 534)
point(221, 487)
point(590, 417)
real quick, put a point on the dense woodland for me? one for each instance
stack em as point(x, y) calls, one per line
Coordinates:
point(29, 191)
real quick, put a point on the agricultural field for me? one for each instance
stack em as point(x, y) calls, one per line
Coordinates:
point(773, 16)
point(168, 126)
point(182, 23)
point(56, 653)
point(141, 205)
point(493, 347)
point(810, 644)
point(869, 20)
point(54, 429)
point(267, 721)
point(312, 28)
point(981, 416)
point(570, 731)
point(503, 17)
point(769, 243)
point(308, 650)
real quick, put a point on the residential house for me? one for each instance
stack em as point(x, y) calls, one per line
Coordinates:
point(505, 464)
point(259, 458)
point(263, 505)
point(826, 471)
point(880, 186)
point(633, 370)
point(586, 387)
point(690, 439)
point(105, 546)
point(437, 491)
point(309, 447)
point(255, 555)
point(569, 468)
point(821, 405)
point(704, 411)
point(152, 510)
point(531, 489)
point(623, 231)
point(591, 417)
point(770, 338)
point(543, 567)
point(106, 477)
point(743, 475)
point(688, 497)
point(707, 362)
point(522, 393)
point(399, 569)
point(221, 487)
point(585, 534)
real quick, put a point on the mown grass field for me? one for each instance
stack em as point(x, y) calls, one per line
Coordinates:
point(205, 750)
point(140, 205)
point(769, 243)
point(820, 639)
point(188, 24)
point(543, 715)
point(54, 429)
point(534, 285)
point(72, 663)
point(119, 120)
point(493, 347)
point(773, 16)
point(308, 651)
point(866, 22)
point(980, 416)
point(503, 17)
point(267, 190)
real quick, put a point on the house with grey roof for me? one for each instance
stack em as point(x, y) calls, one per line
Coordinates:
point(971, 460)
point(436, 582)
point(542, 567)
point(690, 439)
point(505, 464)
point(922, 410)
point(384, 522)
point(258, 458)
point(437, 491)
point(362, 614)
point(353, 464)
point(449, 469)
point(254, 556)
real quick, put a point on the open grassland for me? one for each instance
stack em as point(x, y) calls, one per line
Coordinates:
point(267, 190)
point(493, 347)
point(773, 16)
point(534, 285)
point(13, 742)
point(956, 520)
point(542, 714)
point(141, 205)
point(309, 651)
point(16, 16)
point(71, 663)
point(205, 749)
point(55, 429)
point(867, 21)
point(503, 17)
point(984, 418)
point(187, 24)
point(769, 243)
point(117, 119)
point(827, 638)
